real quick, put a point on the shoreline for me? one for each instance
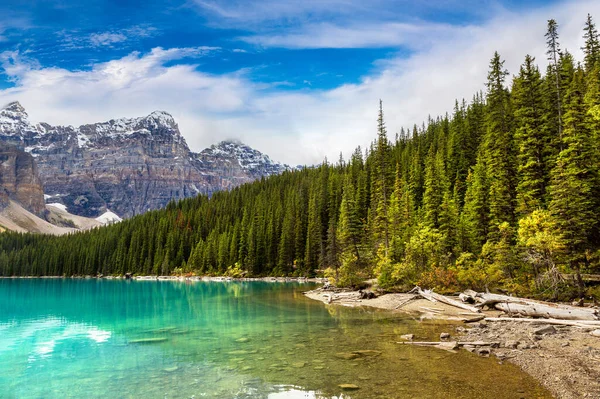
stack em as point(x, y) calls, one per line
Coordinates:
point(316, 280)
point(563, 359)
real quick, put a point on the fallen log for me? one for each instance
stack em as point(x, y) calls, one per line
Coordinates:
point(546, 310)
point(449, 346)
point(574, 323)
point(532, 308)
point(433, 297)
point(412, 298)
point(474, 319)
point(432, 309)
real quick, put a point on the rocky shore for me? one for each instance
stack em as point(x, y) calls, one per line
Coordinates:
point(564, 359)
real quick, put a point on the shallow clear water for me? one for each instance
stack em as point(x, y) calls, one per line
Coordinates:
point(131, 339)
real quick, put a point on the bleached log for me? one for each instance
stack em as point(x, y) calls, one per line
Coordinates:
point(533, 308)
point(431, 309)
point(549, 311)
point(574, 323)
point(449, 346)
point(412, 298)
point(492, 299)
point(433, 297)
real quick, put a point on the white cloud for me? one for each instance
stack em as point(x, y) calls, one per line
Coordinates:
point(71, 40)
point(372, 35)
point(106, 38)
point(292, 126)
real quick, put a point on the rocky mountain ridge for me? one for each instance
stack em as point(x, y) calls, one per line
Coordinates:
point(19, 180)
point(129, 165)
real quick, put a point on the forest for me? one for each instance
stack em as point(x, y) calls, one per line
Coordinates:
point(504, 193)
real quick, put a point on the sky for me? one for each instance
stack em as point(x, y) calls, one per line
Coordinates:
point(297, 80)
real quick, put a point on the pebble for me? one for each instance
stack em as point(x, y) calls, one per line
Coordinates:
point(444, 335)
point(511, 344)
point(545, 330)
point(484, 352)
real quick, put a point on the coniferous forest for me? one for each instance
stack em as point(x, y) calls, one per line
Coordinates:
point(502, 193)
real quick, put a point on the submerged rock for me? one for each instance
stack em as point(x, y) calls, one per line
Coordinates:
point(367, 352)
point(349, 387)
point(147, 340)
point(347, 356)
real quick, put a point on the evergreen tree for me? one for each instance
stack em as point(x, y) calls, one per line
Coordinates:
point(553, 75)
point(591, 49)
point(382, 184)
point(532, 137)
point(573, 179)
point(498, 147)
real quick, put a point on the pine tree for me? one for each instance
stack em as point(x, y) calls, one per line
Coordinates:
point(573, 179)
point(591, 49)
point(553, 53)
point(498, 147)
point(532, 138)
point(313, 236)
point(476, 209)
point(382, 184)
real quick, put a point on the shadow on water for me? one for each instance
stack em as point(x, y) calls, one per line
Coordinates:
point(98, 338)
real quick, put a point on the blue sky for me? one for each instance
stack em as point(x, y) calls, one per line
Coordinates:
point(264, 71)
point(74, 34)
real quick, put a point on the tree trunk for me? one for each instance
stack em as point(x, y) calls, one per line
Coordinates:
point(433, 297)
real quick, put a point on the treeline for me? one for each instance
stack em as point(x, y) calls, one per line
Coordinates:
point(503, 192)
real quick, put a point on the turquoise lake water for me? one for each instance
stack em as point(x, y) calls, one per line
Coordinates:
point(65, 338)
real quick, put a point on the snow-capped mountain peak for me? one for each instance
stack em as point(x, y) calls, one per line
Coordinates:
point(249, 160)
point(128, 165)
point(14, 120)
point(14, 109)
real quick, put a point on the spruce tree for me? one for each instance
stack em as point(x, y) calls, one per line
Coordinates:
point(573, 178)
point(553, 74)
point(532, 138)
point(382, 184)
point(498, 147)
point(591, 49)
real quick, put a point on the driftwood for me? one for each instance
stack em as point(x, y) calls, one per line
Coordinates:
point(547, 311)
point(412, 298)
point(531, 308)
point(574, 323)
point(432, 309)
point(433, 297)
point(449, 346)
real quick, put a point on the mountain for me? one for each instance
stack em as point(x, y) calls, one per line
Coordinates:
point(19, 180)
point(128, 166)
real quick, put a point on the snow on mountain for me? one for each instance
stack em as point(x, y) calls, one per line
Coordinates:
point(14, 120)
point(58, 205)
point(109, 217)
point(249, 159)
point(128, 165)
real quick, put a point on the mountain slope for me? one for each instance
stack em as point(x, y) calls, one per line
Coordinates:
point(19, 180)
point(129, 165)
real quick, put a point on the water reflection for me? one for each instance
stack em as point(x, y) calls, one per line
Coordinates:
point(89, 338)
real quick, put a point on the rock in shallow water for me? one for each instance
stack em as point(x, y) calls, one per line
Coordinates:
point(347, 356)
point(349, 387)
point(147, 340)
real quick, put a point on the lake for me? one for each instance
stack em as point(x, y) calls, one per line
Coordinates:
point(169, 339)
